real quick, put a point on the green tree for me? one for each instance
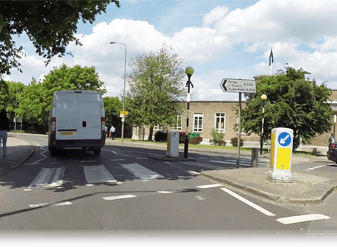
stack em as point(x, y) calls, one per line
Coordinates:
point(156, 87)
point(50, 26)
point(293, 102)
point(36, 99)
point(112, 107)
point(9, 97)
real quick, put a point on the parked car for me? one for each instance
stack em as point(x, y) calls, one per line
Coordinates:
point(332, 152)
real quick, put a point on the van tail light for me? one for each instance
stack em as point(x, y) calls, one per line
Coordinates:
point(333, 146)
point(53, 125)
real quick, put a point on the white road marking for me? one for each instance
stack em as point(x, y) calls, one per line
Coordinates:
point(110, 198)
point(316, 167)
point(142, 158)
point(27, 189)
point(45, 157)
point(195, 173)
point(98, 174)
point(253, 205)
point(230, 162)
point(140, 171)
point(114, 152)
point(49, 177)
point(165, 191)
point(116, 159)
point(302, 218)
point(200, 198)
point(67, 203)
point(83, 161)
point(209, 186)
point(38, 205)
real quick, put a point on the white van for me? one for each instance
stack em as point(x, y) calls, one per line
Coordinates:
point(76, 119)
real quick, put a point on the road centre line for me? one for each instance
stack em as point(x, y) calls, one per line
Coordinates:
point(302, 218)
point(253, 205)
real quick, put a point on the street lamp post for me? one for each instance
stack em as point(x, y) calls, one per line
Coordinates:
point(263, 97)
point(123, 89)
point(189, 72)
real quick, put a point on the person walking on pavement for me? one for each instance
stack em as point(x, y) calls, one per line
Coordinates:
point(112, 131)
point(106, 131)
point(4, 127)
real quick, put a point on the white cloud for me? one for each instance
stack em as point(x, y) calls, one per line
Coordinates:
point(214, 15)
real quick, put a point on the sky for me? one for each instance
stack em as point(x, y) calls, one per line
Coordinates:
point(219, 39)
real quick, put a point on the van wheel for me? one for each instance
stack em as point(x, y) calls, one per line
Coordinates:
point(97, 151)
point(53, 152)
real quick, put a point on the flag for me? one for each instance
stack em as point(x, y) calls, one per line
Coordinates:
point(271, 57)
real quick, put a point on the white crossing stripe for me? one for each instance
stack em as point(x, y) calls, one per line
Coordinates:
point(98, 174)
point(140, 171)
point(209, 186)
point(50, 177)
point(253, 205)
point(302, 218)
point(110, 198)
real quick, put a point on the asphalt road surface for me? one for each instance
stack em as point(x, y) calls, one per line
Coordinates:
point(122, 189)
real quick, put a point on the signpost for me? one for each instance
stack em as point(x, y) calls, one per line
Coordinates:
point(229, 85)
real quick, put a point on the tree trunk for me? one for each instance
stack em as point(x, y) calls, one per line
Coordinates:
point(150, 134)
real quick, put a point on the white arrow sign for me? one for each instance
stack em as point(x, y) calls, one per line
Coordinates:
point(283, 140)
point(238, 85)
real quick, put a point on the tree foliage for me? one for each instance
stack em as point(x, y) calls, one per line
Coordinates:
point(36, 99)
point(112, 107)
point(9, 96)
point(293, 102)
point(156, 87)
point(50, 26)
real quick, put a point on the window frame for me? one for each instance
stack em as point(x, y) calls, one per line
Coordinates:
point(202, 122)
point(177, 128)
point(220, 130)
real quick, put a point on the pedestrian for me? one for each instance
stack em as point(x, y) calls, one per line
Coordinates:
point(4, 127)
point(112, 131)
point(331, 139)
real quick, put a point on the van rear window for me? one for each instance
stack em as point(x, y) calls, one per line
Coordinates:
point(90, 97)
point(65, 97)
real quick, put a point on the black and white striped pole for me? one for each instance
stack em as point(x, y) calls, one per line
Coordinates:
point(189, 72)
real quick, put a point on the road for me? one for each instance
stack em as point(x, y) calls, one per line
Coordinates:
point(122, 189)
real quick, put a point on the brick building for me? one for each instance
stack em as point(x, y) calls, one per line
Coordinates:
point(204, 116)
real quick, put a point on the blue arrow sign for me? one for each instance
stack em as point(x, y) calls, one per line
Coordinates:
point(284, 139)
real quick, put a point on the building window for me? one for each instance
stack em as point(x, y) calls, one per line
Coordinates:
point(220, 122)
point(198, 122)
point(178, 123)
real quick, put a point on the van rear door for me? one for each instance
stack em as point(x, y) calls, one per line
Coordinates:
point(66, 112)
point(89, 116)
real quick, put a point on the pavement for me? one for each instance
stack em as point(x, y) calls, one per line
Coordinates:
point(305, 188)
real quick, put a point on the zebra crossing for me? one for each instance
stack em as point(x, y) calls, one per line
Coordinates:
point(94, 174)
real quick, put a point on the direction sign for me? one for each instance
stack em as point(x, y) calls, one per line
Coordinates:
point(284, 139)
point(238, 85)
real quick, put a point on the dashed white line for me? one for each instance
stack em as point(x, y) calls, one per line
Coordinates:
point(110, 198)
point(302, 218)
point(253, 205)
point(165, 191)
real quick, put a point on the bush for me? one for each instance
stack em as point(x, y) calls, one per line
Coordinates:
point(218, 138)
point(195, 140)
point(160, 136)
point(234, 142)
